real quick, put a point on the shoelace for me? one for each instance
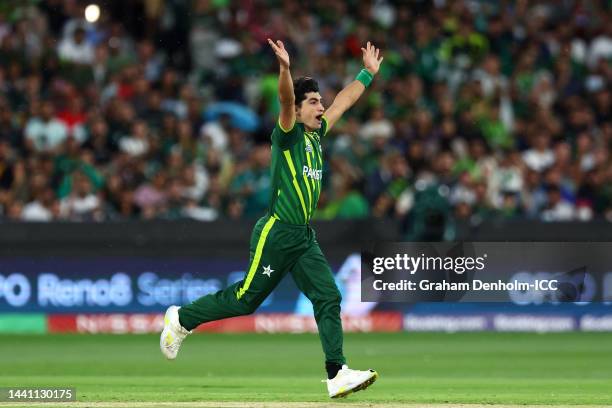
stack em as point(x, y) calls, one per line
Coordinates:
point(175, 345)
point(183, 330)
point(178, 340)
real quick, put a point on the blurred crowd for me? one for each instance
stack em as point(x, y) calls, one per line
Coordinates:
point(162, 109)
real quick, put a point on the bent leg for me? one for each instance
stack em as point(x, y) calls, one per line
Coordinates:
point(314, 278)
point(266, 269)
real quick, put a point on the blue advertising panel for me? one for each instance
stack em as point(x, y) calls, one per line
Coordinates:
point(121, 284)
point(147, 284)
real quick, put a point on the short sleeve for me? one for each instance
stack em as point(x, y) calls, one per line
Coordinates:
point(285, 137)
point(324, 127)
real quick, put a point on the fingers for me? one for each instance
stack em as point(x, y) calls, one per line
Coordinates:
point(278, 47)
point(371, 50)
point(274, 46)
point(371, 54)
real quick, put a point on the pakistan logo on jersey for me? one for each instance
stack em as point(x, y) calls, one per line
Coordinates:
point(308, 146)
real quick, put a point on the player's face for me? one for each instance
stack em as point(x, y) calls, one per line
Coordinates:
point(310, 111)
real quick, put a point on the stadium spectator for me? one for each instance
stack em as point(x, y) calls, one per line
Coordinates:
point(82, 204)
point(44, 132)
point(75, 48)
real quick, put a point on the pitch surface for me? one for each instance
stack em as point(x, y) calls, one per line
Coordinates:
point(273, 370)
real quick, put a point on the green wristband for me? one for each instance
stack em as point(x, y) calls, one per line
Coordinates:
point(365, 77)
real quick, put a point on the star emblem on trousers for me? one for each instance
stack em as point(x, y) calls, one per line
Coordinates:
point(268, 270)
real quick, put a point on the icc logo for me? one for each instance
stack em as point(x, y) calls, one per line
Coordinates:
point(308, 147)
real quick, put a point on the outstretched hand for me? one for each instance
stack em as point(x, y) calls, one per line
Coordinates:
point(371, 62)
point(281, 52)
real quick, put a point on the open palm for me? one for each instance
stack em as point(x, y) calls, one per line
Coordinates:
point(371, 61)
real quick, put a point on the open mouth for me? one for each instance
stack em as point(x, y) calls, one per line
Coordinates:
point(319, 117)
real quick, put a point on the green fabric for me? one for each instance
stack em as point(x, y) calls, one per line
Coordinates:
point(426, 60)
point(394, 66)
point(364, 77)
point(286, 248)
point(258, 182)
point(297, 171)
point(475, 45)
point(397, 187)
point(269, 92)
point(495, 133)
point(467, 164)
point(525, 82)
point(67, 166)
point(430, 216)
point(353, 206)
point(328, 212)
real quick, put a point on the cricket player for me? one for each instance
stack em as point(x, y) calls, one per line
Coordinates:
point(283, 241)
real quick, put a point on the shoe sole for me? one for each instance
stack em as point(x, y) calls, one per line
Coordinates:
point(161, 346)
point(359, 387)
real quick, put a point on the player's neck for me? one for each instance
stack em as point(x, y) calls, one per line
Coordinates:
point(306, 128)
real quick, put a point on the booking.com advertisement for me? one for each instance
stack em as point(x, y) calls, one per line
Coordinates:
point(448, 287)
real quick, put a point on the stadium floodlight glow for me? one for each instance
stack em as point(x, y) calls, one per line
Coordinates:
point(92, 13)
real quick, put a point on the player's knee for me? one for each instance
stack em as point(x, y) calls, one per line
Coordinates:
point(329, 299)
point(251, 308)
point(248, 308)
point(335, 296)
point(336, 299)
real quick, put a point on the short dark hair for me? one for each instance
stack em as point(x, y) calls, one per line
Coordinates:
point(302, 86)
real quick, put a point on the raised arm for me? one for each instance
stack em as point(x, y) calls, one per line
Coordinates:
point(351, 93)
point(285, 87)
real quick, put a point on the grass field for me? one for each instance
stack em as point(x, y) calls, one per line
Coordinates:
point(274, 370)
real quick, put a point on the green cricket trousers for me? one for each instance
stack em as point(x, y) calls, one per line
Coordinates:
point(275, 249)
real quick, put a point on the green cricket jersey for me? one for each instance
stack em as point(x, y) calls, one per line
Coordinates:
point(297, 170)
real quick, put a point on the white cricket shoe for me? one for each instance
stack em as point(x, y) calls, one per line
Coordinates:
point(173, 334)
point(348, 381)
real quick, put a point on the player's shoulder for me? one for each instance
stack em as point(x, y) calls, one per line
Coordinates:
point(297, 127)
point(287, 137)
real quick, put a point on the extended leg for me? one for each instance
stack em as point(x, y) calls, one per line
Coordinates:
point(314, 278)
point(266, 269)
